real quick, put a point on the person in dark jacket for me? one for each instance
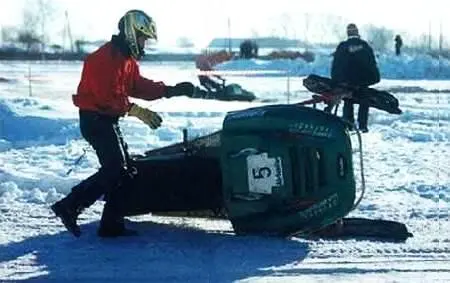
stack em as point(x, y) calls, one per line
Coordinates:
point(398, 44)
point(248, 49)
point(354, 64)
point(109, 77)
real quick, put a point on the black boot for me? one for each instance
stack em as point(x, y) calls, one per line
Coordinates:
point(364, 130)
point(115, 231)
point(112, 223)
point(68, 213)
point(363, 117)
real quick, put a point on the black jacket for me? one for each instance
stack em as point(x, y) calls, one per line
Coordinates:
point(354, 63)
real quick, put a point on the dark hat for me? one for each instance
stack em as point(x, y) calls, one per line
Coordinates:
point(352, 30)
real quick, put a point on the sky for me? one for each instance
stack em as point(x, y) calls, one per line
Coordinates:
point(405, 163)
point(202, 20)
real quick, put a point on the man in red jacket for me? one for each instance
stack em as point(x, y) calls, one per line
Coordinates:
point(110, 76)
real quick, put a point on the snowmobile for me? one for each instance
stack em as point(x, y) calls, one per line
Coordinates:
point(276, 170)
point(230, 92)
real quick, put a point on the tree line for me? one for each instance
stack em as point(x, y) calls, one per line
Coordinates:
point(33, 34)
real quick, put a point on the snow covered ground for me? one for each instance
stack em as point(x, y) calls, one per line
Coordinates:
point(406, 163)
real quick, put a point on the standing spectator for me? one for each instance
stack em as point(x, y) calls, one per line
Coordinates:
point(398, 44)
point(354, 64)
point(248, 49)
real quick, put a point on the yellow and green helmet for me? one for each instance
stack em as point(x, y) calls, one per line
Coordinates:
point(134, 24)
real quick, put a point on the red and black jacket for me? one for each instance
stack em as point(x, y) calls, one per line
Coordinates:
point(110, 76)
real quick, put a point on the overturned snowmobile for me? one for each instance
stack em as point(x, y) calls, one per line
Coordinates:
point(273, 170)
point(231, 92)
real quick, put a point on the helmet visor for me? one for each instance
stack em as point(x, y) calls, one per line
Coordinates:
point(145, 26)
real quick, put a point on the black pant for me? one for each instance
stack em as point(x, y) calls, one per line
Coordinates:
point(363, 113)
point(104, 135)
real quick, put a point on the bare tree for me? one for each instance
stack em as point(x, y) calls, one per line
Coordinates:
point(336, 25)
point(28, 39)
point(379, 37)
point(286, 24)
point(9, 34)
point(36, 16)
point(28, 33)
point(423, 41)
point(307, 24)
point(30, 21)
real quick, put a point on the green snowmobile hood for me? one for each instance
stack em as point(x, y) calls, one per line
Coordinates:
point(285, 169)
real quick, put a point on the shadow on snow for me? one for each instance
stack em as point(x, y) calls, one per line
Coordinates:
point(161, 253)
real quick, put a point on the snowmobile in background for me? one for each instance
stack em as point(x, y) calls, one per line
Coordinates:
point(277, 170)
point(230, 92)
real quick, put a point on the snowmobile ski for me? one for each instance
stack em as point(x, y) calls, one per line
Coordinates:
point(361, 228)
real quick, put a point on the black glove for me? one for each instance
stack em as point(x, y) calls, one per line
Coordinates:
point(180, 89)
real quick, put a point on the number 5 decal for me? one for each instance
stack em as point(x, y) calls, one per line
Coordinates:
point(263, 172)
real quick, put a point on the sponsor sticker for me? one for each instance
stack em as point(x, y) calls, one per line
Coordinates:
point(319, 208)
point(311, 129)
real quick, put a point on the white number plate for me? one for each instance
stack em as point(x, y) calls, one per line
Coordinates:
point(264, 173)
